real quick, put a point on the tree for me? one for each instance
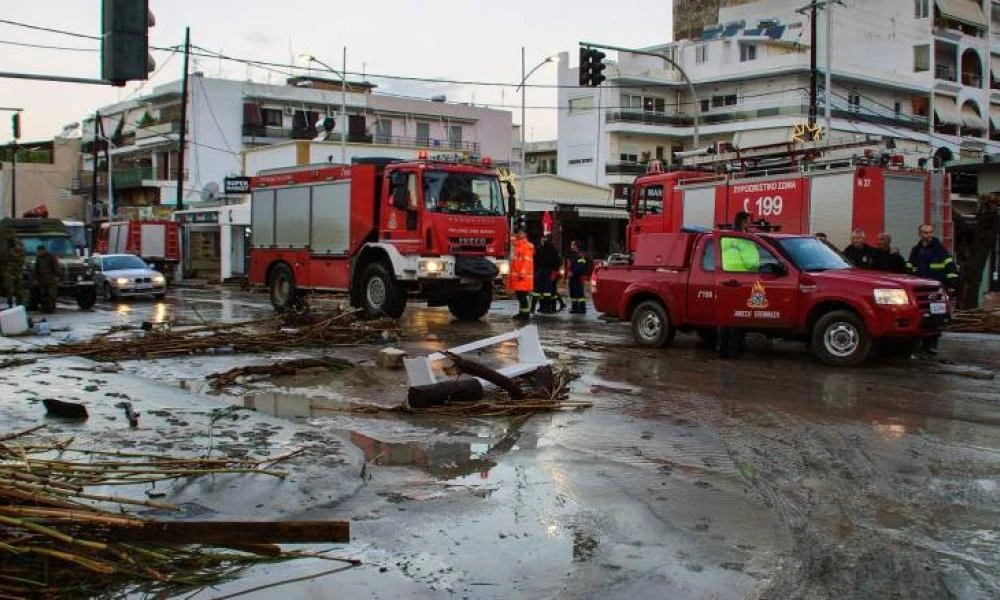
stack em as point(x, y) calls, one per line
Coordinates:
point(981, 243)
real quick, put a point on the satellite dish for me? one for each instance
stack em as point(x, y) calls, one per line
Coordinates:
point(210, 192)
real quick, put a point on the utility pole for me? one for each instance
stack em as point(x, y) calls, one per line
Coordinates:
point(93, 183)
point(13, 179)
point(183, 133)
point(343, 109)
point(828, 87)
point(813, 74)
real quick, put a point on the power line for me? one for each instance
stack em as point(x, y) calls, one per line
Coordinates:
point(47, 47)
point(50, 30)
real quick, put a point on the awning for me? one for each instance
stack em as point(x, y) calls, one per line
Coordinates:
point(971, 119)
point(965, 11)
point(995, 116)
point(602, 213)
point(762, 137)
point(947, 111)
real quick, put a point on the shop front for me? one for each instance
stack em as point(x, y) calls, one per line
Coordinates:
point(215, 242)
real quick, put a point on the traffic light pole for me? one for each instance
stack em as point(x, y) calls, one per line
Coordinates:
point(668, 60)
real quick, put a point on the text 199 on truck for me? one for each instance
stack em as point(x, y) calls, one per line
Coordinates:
point(381, 229)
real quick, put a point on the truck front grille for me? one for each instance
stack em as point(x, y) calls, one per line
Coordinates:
point(928, 293)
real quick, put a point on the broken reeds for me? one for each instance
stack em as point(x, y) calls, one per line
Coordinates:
point(56, 540)
point(975, 321)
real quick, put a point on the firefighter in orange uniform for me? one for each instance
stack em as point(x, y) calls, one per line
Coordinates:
point(522, 272)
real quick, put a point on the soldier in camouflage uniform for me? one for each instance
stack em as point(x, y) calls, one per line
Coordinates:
point(13, 270)
point(46, 279)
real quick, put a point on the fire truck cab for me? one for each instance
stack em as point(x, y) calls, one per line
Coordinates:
point(381, 229)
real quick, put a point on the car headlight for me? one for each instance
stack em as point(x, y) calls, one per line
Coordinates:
point(122, 281)
point(159, 279)
point(892, 296)
point(504, 267)
point(432, 266)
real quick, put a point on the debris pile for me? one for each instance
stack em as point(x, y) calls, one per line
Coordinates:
point(283, 332)
point(975, 321)
point(284, 368)
point(56, 540)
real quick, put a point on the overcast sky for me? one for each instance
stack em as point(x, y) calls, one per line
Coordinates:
point(452, 39)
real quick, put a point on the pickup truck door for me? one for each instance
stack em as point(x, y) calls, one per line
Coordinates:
point(701, 297)
point(754, 287)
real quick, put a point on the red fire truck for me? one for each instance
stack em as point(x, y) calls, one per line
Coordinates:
point(872, 192)
point(155, 241)
point(381, 229)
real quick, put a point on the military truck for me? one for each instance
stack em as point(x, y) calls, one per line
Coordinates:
point(76, 279)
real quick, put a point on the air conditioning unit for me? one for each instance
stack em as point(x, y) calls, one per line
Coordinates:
point(289, 111)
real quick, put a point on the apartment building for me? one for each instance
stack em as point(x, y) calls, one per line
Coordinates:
point(923, 73)
point(227, 117)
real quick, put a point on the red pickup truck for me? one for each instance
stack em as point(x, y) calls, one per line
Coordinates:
point(785, 286)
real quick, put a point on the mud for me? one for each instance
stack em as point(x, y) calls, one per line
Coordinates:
point(772, 476)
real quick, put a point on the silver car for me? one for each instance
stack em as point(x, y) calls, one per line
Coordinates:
point(120, 275)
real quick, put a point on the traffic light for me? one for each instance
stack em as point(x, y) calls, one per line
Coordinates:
point(125, 41)
point(592, 67)
point(15, 125)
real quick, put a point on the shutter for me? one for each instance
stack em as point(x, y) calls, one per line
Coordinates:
point(251, 114)
point(831, 207)
point(699, 207)
point(904, 208)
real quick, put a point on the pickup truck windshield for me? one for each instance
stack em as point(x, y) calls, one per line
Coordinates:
point(810, 254)
point(61, 246)
point(463, 193)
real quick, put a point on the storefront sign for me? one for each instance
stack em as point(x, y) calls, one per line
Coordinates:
point(198, 217)
point(237, 185)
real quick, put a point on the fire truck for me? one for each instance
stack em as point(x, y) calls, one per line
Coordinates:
point(381, 229)
point(155, 241)
point(794, 192)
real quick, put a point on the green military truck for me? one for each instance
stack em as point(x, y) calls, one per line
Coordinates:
point(76, 279)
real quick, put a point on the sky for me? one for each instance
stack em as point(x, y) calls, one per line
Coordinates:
point(440, 39)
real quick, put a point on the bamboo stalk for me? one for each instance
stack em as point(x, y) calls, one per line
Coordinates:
point(62, 537)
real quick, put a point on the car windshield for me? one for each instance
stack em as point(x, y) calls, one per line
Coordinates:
point(120, 263)
point(811, 254)
point(465, 193)
point(61, 246)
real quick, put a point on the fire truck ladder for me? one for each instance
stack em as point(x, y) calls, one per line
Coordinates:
point(783, 150)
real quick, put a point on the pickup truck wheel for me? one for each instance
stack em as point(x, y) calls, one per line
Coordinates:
point(840, 338)
point(651, 327)
point(86, 298)
point(471, 306)
point(381, 295)
point(281, 284)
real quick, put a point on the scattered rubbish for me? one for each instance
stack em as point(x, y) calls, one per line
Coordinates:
point(444, 392)
point(65, 410)
point(391, 358)
point(975, 321)
point(156, 326)
point(58, 542)
point(42, 327)
point(16, 362)
point(530, 355)
point(14, 321)
point(131, 414)
point(289, 367)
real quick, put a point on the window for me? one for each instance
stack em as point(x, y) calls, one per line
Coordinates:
point(718, 101)
point(919, 105)
point(921, 58)
point(581, 105)
point(659, 153)
point(853, 101)
point(383, 131)
point(701, 54)
point(423, 134)
point(631, 102)
point(897, 108)
point(652, 200)
point(463, 193)
point(748, 52)
point(743, 255)
point(628, 154)
point(659, 105)
point(921, 9)
point(704, 105)
point(272, 117)
point(708, 258)
point(580, 154)
point(730, 100)
point(995, 17)
point(455, 137)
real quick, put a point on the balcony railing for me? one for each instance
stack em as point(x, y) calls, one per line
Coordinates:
point(25, 155)
point(972, 80)
point(131, 178)
point(712, 116)
point(946, 73)
point(909, 121)
point(157, 130)
point(262, 131)
point(624, 169)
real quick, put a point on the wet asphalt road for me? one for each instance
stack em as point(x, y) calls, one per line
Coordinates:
point(771, 476)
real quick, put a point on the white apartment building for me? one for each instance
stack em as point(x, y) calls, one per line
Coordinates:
point(227, 117)
point(925, 73)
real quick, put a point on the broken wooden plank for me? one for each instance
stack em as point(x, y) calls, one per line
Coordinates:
point(241, 533)
point(485, 373)
point(436, 394)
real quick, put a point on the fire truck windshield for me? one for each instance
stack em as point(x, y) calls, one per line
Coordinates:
point(811, 254)
point(463, 193)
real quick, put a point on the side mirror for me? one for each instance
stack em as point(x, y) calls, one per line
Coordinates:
point(511, 199)
point(776, 269)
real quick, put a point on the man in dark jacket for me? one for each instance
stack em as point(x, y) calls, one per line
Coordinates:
point(884, 258)
point(859, 253)
point(547, 263)
point(577, 269)
point(930, 259)
point(46, 278)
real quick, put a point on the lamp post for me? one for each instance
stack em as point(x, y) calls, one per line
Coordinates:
point(523, 89)
point(343, 99)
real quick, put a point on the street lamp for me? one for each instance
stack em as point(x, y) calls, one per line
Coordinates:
point(343, 99)
point(524, 79)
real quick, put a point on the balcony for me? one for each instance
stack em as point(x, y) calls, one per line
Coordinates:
point(157, 132)
point(945, 73)
point(915, 122)
point(711, 117)
point(262, 133)
point(624, 169)
point(972, 80)
point(131, 178)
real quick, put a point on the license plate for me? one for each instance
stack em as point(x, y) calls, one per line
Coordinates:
point(939, 308)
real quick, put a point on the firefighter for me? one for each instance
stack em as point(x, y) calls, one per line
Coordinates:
point(885, 258)
point(577, 268)
point(13, 270)
point(739, 255)
point(547, 263)
point(930, 259)
point(859, 253)
point(46, 278)
point(522, 273)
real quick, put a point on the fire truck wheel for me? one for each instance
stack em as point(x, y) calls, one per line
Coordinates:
point(282, 286)
point(471, 306)
point(651, 327)
point(840, 338)
point(380, 294)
